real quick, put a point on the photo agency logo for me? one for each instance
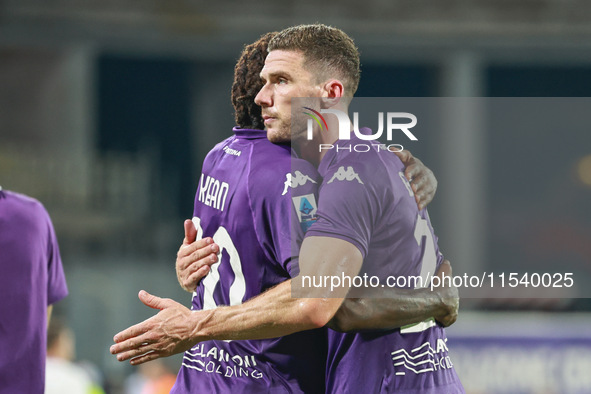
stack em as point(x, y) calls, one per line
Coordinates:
point(393, 123)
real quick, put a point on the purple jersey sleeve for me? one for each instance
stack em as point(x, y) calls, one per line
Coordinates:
point(56, 279)
point(302, 186)
point(347, 207)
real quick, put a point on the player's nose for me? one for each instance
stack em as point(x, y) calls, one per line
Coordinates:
point(264, 97)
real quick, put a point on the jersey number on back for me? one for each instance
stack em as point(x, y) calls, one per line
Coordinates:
point(238, 287)
point(429, 260)
point(428, 265)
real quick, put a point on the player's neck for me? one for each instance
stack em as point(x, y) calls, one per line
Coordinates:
point(308, 150)
point(314, 150)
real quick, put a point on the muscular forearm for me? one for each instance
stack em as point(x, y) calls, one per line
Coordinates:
point(402, 308)
point(272, 314)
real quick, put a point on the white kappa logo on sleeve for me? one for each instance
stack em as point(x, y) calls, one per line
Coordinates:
point(345, 175)
point(298, 179)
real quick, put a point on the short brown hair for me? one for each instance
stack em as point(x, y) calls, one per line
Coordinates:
point(328, 48)
point(247, 83)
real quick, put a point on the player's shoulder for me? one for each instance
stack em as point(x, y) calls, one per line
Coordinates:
point(26, 208)
point(302, 179)
point(23, 201)
point(363, 167)
point(232, 152)
point(268, 169)
point(268, 159)
point(300, 166)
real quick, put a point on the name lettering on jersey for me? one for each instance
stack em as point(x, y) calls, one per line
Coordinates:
point(345, 175)
point(231, 151)
point(295, 180)
point(212, 192)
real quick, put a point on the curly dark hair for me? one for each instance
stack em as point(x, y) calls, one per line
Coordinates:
point(247, 83)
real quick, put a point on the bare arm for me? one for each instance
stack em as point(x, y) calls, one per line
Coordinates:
point(397, 308)
point(274, 313)
point(49, 310)
point(402, 307)
point(277, 312)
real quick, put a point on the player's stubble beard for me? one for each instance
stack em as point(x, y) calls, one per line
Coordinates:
point(293, 132)
point(284, 134)
point(280, 133)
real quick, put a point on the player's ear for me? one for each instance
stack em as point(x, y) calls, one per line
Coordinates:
point(333, 90)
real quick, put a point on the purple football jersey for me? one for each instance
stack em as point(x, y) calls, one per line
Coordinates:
point(366, 200)
point(244, 202)
point(32, 279)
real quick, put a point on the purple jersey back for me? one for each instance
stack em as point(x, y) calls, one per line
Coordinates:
point(32, 278)
point(366, 200)
point(244, 202)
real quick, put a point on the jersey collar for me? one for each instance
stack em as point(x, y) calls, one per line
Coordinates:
point(249, 133)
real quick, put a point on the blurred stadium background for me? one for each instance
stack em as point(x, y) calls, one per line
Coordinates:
point(108, 108)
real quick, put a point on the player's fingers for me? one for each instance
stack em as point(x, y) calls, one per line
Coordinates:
point(205, 254)
point(188, 265)
point(145, 358)
point(413, 169)
point(195, 277)
point(196, 245)
point(423, 198)
point(417, 187)
point(132, 332)
point(419, 200)
point(190, 232)
point(190, 276)
point(132, 343)
point(404, 156)
point(187, 285)
point(201, 247)
point(182, 266)
point(424, 190)
point(423, 183)
point(195, 251)
point(155, 302)
point(134, 352)
point(186, 250)
point(418, 182)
